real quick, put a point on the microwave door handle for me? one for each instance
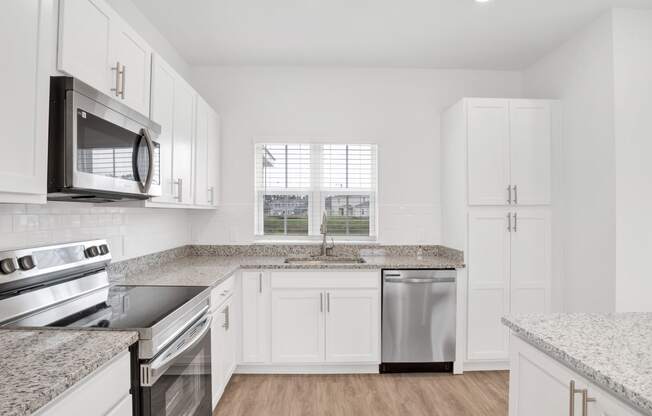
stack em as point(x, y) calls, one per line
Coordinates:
point(150, 171)
point(150, 373)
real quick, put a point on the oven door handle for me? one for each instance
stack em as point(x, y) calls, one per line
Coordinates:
point(150, 373)
point(150, 150)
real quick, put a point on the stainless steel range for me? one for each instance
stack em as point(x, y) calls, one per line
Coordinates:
point(67, 285)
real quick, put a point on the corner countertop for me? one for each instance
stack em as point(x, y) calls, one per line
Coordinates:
point(212, 270)
point(36, 366)
point(612, 350)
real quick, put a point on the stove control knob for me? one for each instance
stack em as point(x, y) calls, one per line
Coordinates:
point(7, 266)
point(26, 263)
point(92, 251)
point(104, 249)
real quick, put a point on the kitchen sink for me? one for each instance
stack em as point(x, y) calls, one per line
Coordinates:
point(320, 260)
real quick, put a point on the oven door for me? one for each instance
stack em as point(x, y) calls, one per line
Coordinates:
point(110, 152)
point(178, 380)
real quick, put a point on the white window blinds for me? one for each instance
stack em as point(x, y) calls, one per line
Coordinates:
point(297, 183)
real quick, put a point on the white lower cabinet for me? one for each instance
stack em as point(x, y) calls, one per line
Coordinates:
point(297, 326)
point(325, 317)
point(509, 272)
point(223, 348)
point(103, 392)
point(352, 325)
point(255, 317)
point(541, 386)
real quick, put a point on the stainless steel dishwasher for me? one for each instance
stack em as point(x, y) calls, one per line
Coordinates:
point(418, 320)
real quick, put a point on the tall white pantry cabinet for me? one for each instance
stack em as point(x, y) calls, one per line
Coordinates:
point(496, 206)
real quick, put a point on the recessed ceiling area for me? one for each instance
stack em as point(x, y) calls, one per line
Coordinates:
point(499, 34)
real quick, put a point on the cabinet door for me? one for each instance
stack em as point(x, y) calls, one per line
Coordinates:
point(202, 196)
point(25, 27)
point(228, 346)
point(135, 57)
point(182, 142)
point(488, 284)
point(214, 155)
point(84, 39)
point(217, 349)
point(352, 328)
point(297, 326)
point(162, 112)
point(530, 261)
point(255, 318)
point(488, 151)
point(538, 385)
point(530, 148)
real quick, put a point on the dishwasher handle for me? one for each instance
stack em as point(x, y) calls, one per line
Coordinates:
point(420, 280)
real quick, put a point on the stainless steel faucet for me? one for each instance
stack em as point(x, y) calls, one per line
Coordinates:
point(326, 250)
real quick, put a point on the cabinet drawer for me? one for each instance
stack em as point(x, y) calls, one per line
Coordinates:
point(101, 392)
point(308, 279)
point(222, 292)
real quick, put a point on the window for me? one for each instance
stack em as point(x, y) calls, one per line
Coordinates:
point(296, 184)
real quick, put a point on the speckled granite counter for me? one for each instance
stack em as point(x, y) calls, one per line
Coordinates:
point(211, 270)
point(612, 350)
point(36, 366)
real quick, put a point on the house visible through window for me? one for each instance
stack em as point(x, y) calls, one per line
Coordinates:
point(297, 183)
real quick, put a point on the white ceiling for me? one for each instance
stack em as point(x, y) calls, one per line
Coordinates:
point(502, 34)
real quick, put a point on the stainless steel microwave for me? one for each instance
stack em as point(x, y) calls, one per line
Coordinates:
point(99, 149)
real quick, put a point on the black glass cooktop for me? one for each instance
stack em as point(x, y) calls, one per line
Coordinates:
point(132, 307)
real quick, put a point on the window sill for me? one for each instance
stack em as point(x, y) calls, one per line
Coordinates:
point(312, 241)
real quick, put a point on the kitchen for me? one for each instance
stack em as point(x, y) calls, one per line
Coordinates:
point(237, 208)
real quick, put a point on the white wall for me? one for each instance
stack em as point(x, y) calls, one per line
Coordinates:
point(632, 34)
point(396, 108)
point(580, 74)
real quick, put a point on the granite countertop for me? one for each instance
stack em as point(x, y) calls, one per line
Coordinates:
point(212, 270)
point(36, 366)
point(612, 350)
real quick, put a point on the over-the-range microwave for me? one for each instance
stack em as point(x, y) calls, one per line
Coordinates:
point(99, 149)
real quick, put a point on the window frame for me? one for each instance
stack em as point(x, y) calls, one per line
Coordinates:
point(316, 196)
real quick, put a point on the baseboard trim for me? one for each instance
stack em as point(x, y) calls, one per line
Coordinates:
point(490, 365)
point(307, 369)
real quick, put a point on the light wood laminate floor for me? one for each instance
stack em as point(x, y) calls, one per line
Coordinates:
point(473, 394)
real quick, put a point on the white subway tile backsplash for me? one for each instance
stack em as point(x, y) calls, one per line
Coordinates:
point(131, 232)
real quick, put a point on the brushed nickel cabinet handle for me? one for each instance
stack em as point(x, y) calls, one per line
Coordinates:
point(328, 302)
point(211, 192)
point(515, 223)
point(509, 194)
point(321, 302)
point(515, 195)
point(227, 318)
point(118, 79)
point(509, 222)
point(260, 282)
point(124, 79)
point(179, 184)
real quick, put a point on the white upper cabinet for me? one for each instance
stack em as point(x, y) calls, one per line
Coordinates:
point(99, 48)
point(509, 148)
point(530, 143)
point(162, 112)
point(134, 56)
point(173, 107)
point(26, 28)
point(84, 34)
point(488, 151)
point(206, 155)
point(183, 142)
